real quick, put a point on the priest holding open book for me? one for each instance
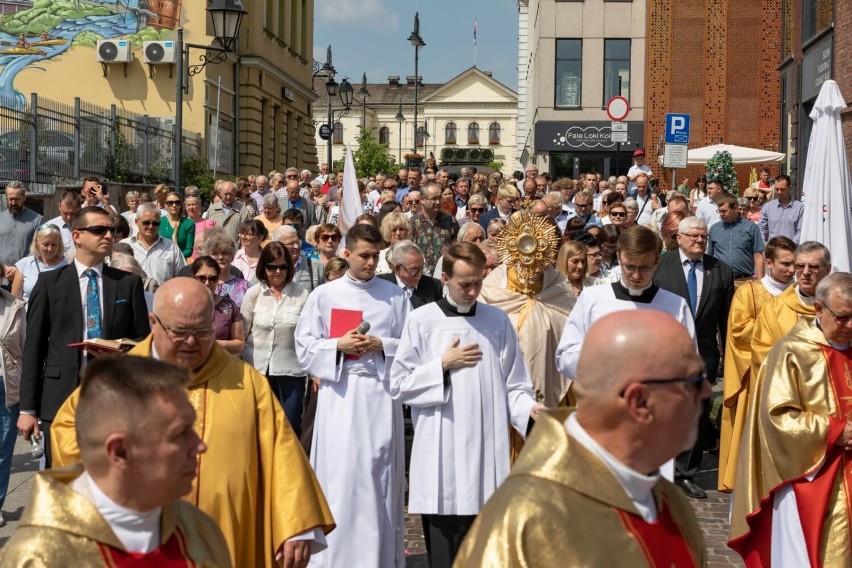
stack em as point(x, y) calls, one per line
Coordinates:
point(357, 450)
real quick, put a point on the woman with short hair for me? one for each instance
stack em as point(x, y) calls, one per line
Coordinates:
point(220, 245)
point(573, 264)
point(227, 318)
point(47, 252)
point(395, 227)
point(252, 236)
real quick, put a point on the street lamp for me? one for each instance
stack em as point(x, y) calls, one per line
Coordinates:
point(226, 16)
point(417, 42)
point(332, 88)
point(400, 119)
point(365, 93)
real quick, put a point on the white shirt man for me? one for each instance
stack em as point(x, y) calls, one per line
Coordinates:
point(707, 210)
point(160, 258)
point(639, 167)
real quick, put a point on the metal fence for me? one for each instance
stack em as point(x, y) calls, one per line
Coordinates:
point(48, 142)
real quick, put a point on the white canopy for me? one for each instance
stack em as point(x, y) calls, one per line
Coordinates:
point(739, 154)
point(826, 187)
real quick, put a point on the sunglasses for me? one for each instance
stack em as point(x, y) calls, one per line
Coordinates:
point(277, 267)
point(477, 209)
point(207, 279)
point(617, 214)
point(172, 202)
point(98, 230)
point(149, 223)
point(292, 177)
point(326, 238)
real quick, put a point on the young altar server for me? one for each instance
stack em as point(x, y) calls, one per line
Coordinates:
point(459, 367)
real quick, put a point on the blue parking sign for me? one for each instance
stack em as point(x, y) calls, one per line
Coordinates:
point(677, 128)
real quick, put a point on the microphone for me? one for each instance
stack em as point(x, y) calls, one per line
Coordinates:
point(363, 328)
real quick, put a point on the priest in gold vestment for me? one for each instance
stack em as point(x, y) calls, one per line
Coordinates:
point(254, 479)
point(745, 307)
point(586, 490)
point(121, 507)
point(791, 503)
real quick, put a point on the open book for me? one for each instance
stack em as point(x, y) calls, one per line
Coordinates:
point(105, 345)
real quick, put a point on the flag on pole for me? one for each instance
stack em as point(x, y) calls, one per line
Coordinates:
point(474, 32)
point(350, 200)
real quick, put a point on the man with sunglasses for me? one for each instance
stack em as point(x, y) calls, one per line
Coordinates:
point(592, 475)
point(83, 300)
point(160, 258)
point(791, 503)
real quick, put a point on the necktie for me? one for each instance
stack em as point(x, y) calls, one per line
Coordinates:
point(408, 291)
point(692, 286)
point(93, 306)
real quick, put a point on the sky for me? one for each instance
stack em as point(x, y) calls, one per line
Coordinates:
point(372, 36)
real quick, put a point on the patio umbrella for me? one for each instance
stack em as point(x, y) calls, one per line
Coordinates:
point(739, 154)
point(826, 186)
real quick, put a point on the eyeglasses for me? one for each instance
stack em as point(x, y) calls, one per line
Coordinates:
point(840, 320)
point(292, 177)
point(697, 382)
point(595, 254)
point(149, 223)
point(277, 267)
point(617, 214)
point(645, 269)
point(477, 209)
point(326, 238)
point(412, 271)
point(413, 201)
point(694, 238)
point(172, 202)
point(750, 198)
point(206, 279)
point(294, 225)
point(181, 335)
point(581, 205)
point(98, 230)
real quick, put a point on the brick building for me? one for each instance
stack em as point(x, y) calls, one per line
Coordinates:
point(716, 60)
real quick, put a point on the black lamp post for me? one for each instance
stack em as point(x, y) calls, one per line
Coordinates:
point(226, 16)
point(400, 119)
point(417, 42)
point(365, 93)
point(332, 88)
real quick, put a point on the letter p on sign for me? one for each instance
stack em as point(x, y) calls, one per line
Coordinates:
point(677, 128)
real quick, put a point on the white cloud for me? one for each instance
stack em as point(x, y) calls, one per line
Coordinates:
point(361, 11)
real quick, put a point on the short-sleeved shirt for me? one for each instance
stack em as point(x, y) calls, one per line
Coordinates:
point(431, 237)
point(16, 234)
point(225, 313)
point(30, 267)
point(735, 244)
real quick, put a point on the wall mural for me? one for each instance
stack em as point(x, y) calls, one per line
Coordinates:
point(35, 30)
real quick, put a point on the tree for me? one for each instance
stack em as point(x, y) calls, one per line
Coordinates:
point(720, 168)
point(371, 157)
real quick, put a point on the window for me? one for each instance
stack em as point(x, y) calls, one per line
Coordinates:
point(816, 16)
point(616, 69)
point(384, 135)
point(473, 133)
point(450, 133)
point(337, 136)
point(421, 136)
point(569, 70)
point(494, 134)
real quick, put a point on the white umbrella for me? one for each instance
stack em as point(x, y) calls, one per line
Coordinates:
point(739, 154)
point(826, 187)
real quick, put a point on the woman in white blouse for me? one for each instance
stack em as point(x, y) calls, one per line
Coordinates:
point(270, 311)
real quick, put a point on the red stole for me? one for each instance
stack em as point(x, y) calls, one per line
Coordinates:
point(172, 554)
point(662, 543)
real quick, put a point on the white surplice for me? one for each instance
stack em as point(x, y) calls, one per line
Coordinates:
point(461, 439)
point(358, 442)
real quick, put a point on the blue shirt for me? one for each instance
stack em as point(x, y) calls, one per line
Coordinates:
point(735, 244)
point(781, 220)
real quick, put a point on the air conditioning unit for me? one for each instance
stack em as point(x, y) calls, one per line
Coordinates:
point(159, 52)
point(461, 154)
point(448, 154)
point(475, 155)
point(488, 155)
point(114, 51)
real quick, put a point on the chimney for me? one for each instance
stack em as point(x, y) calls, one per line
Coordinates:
point(409, 80)
point(393, 80)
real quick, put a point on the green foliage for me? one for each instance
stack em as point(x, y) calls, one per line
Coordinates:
point(194, 171)
point(46, 14)
point(496, 166)
point(371, 157)
point(721, 168)
point(86, 39)
point(150, 33)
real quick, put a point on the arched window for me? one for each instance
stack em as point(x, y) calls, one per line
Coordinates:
point(473, 133)
point(337, 137)
point(421, 137)
point(384, 135)
point(450, 133)
point(494, 134)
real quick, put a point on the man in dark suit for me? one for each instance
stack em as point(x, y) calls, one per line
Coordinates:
point(707, 285)
point(295, 201)
point(408, 262)
point(83, 300)
point(505, 205)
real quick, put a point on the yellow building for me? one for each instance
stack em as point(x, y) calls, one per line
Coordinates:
point(262, 98)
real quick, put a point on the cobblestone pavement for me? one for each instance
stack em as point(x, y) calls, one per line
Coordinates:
point(712, 513)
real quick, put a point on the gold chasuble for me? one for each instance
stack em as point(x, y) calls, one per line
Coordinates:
point(802, 400)
point(775, 321)
point(745, 307)
point(254, 478)
point(561, 506)
point(61, 527)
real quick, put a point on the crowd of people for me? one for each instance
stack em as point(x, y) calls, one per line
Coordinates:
point(284, 354)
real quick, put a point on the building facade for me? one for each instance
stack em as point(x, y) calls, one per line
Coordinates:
point(573, 57)
point(470, 119)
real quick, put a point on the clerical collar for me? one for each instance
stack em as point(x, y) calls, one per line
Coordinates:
point(638, 486)
point(454, 310)
point(355, 280)
point(137, 531)
point(773, 286)
point(804, 298)
point(642, 296)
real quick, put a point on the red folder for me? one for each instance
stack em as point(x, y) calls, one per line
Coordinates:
point(344, 321)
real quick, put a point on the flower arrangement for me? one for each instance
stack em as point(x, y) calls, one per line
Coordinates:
point(413, 156)
point(721, 168)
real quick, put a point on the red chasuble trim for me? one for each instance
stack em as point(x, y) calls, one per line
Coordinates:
point(172, 554)
point(662, 543)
